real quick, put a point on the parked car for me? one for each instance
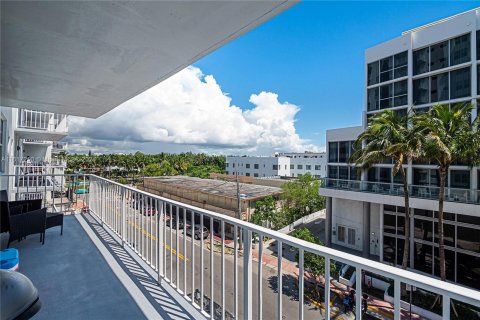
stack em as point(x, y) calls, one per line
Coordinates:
point(197, 232)
point(149, 211)
point(173, 223)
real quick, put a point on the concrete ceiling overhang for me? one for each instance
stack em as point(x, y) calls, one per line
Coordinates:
point(85, 58)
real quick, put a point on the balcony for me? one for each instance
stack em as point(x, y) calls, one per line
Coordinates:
point(134, 244)
point(41, 125)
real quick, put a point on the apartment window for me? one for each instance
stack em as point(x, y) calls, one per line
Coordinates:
point(386, 69)
point(400, 64)
point(467, 266)
point(318, 167)
point(354, 173)
point(460, 83)
point(341, 234)
point(247, 165)
point(460, 179)
point(439, 87)
point(228, 164)
point(373, 102)
point(400, 89)
point(247, 174)
point(420, 91)
point(421, 61)
point(439, 56)
point(2, 144)
point(344, 151)
point(478, 89)
point(275, 167)
point(292, 166)
point(460, 50)
point(255, 174)
point(255, 166)
point(333, 151)
point(234, 165)
point(343, 172)
point(333, 172)
point(299, 167)
point(308, 167)
point(386, 92)
point(478, 44)
point(373, 73)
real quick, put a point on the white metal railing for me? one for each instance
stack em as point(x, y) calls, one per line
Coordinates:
point(41, 120)
point(142, 222)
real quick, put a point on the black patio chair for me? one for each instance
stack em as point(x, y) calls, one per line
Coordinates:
point(24, 224)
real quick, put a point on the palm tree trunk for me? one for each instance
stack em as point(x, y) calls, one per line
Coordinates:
point(441, 197)
point(406, 248)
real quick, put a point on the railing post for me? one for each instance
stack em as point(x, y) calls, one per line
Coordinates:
point(396, 299)
point(247, 274)
point(446, 307)
point(327, 288)
point(122, 193)
point(358, 295)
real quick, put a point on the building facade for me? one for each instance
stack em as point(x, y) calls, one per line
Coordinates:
point(29, 144)
point(280, 165)
point(436, 63)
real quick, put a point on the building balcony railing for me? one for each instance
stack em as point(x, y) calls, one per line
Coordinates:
point(60, 146)
point(143, 223)
point(395, 189)
point(41, 120)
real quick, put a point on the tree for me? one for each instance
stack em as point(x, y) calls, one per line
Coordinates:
point(449, 136)
point(265, 211)
point(301, 197)
point(390, 136)
point(314, 263)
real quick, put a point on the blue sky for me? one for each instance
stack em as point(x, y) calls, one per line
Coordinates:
point(313, 56)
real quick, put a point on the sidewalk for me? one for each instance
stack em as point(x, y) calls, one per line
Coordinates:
point(377, 308)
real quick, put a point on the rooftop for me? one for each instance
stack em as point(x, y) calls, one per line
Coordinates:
point(219, 187)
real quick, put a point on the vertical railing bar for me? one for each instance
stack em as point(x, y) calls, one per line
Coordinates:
point(260, 277)
point(446, 301)
point(301, 272)
point(150, 236)
point(235, 271)
point(223, 268)
point(185, 250)
point(327, 288)
point(279, 281)
point(247, 274)
point(171, 243)
point(177, 267)
point(358, 294)
point(201, 263)
point(157, 239)
point(212, 300)
point(192, 259)
point(396, 299)
point(164, 239)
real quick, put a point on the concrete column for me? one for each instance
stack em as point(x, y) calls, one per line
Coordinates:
point(366, 230)
point(328, 223)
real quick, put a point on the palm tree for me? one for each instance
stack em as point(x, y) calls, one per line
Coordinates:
point(390, 136)
point(449, 136)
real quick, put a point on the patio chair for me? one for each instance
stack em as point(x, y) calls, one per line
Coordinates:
point(21, 206)
point(24, 224)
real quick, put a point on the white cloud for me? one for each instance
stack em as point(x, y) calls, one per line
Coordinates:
point(191, 109)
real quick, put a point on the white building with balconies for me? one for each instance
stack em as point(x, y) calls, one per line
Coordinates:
point(436, 63)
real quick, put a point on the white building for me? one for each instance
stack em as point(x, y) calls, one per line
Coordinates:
point(281, 165)
point(434, 63)
point(29, 144)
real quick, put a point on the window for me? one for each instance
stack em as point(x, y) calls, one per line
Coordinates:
point(478, 44)
point(354, 173)
point(386, 69)
point(308, 167)
point(255, 166)
point(341, 233)
point(421, 61)
point(460, 50)
point(344, 151)
point(400, 64)
point(255, 174)
point(343, 172)
point(292, 166)
point(333, 172)
point(333, 151)
point(373, 99)
point(467, 266)
point(439, 56)
point(275, 167)
point(386, 92)
point(318, 167)
point(423, 257)
point(478, 88)
point(351, 236)
point(247, 174)
point(389, 249)
point(400, 89)
point(460, 83)
point(373, 73)
point(468, 239)
point(439, 87)
point(227, 164)
point(247, 165)
point(460, 179)
point(299, 167)
point(420, 91)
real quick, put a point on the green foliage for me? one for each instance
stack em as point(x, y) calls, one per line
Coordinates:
point(301, 198)
point(132, 166)
point(314, 263)
point(265, 210)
